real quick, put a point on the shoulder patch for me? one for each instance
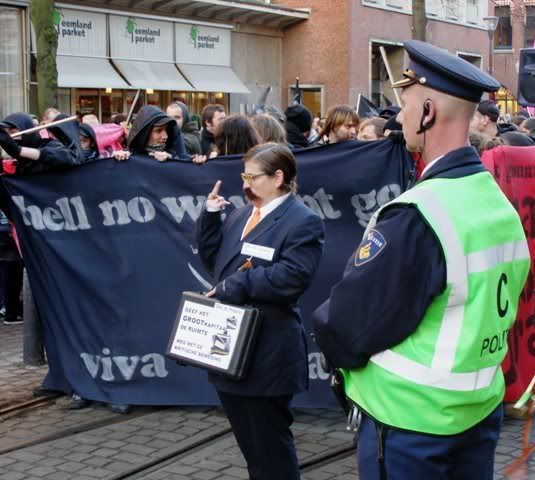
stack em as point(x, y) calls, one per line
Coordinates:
point(370, 247)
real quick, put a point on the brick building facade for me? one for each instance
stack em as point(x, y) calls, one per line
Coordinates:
point(336, 53)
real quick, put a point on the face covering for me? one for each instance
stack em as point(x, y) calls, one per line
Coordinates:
point(89, 154)
point(155, 147)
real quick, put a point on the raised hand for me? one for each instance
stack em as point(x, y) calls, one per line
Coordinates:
point(8, 144)
point(215, 201)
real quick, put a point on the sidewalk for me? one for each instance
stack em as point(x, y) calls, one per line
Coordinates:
point(16, 381)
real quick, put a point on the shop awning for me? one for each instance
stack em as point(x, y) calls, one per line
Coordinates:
point(211, 78)
point(87, 72)
point(155, 75)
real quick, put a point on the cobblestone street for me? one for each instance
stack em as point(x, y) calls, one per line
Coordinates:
point(50, 442)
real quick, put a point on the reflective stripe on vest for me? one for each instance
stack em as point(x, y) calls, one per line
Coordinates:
point(459, 265)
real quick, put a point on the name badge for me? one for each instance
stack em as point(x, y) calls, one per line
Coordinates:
point(258, 251)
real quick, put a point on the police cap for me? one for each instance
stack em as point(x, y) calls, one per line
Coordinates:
point(440, 70)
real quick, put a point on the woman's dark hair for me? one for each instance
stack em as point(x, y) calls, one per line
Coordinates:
point(273, 157)
point(235, 135)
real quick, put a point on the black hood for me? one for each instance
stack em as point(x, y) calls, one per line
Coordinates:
point(505, 127)
point(185, 114)
point(295, 136)
point(22, 121)
point(66, 133)
point(87, 131)
point(145, 120)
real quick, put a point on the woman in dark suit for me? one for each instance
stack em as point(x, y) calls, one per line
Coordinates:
point(264, 254)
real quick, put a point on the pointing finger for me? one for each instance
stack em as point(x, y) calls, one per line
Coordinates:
point(215, 192)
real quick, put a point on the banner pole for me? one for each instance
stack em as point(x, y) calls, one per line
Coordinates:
point(389, 71)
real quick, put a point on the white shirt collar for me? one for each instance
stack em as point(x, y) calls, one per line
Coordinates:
point(271, 205)
point(267, 209)
point(429, 165)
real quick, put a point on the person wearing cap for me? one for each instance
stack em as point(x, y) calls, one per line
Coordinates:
point(485, 121)
point(298, 126)
point(435, 280)
point(155, 134)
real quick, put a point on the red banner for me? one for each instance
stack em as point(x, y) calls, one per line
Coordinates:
point(514, 170)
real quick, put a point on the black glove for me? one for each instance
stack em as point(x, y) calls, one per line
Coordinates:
point(9, 145)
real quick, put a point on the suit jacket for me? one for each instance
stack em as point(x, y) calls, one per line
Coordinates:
point(279, 364)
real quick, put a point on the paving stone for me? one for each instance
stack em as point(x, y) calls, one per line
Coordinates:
point(127, 457)
point(117, 466)
point(113, 444)
point(179, 469)
point(205, 475)
point(237, 472)
point(95, 461)
point(12, 476)
point(26, 456)
point(59, 476)
point(139, 450)
point(41, 471)
point(95, 472)
point(71, 467)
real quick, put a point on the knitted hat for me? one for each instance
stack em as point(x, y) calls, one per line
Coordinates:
point(300, 116)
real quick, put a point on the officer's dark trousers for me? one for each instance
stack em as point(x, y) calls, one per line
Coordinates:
point(261, 426)
point(411, 456)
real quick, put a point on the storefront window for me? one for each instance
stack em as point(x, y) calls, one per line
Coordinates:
point(154, 98)
point(64, 100)
point(503, 35)
point(11, 54)
point(86, 102)
point(111, 102)
point(529, 35)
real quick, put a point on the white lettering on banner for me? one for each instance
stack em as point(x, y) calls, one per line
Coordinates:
point(320, 202)
point(54, 219)
point(177, 206)
point(366, 204)
point(69, 214)
point(122, 367)
point(315, 370)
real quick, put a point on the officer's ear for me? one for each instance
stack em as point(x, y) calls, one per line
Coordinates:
point(428, 116)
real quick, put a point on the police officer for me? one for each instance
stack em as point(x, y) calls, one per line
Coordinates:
point(418, 325)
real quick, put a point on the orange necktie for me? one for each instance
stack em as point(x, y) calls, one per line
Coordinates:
point(253, 222)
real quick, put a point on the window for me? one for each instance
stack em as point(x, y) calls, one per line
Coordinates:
point(529, 36)
point(311, 99)
point(11, 55)
point(472, 11)
point(503, 36)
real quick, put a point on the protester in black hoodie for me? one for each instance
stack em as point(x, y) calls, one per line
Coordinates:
point(35, 154)
point(88, 142)
point(154, 133)
point(298, 125)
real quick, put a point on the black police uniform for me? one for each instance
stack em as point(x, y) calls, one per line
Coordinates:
point(391, 291)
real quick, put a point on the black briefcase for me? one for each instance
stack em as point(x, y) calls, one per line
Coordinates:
point(214, 336)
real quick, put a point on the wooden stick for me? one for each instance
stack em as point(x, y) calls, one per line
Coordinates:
point(131, 112)
point(389, 71)
point(42, 127)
